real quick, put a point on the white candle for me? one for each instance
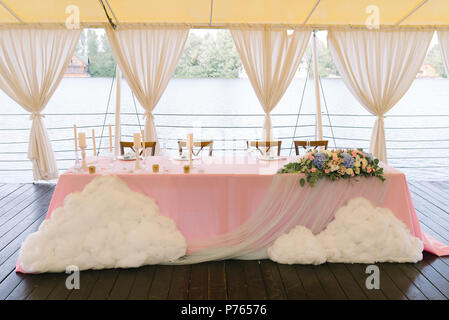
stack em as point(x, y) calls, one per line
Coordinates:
point(82, 139)
point(110, 138)
point(93, 142)
point(137, 141)
point(190, 140)
point(76, 139)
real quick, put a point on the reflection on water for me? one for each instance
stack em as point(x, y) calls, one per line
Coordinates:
point(235, 96)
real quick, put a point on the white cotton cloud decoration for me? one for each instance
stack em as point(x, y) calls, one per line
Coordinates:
point(364, 233)
point(299, 246)
point(359, 233)
point(107, 225)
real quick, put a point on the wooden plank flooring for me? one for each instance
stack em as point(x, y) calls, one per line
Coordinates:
point(23, 208)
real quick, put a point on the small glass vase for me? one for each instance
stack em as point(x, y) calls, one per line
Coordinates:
point(77, 166)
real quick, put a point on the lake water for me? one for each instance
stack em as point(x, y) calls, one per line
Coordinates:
point(426, 105)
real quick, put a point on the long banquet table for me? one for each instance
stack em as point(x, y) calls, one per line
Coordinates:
point(221, 193)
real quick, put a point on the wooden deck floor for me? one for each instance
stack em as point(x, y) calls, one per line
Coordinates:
point(23, 207)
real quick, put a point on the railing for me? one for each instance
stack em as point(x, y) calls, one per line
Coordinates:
point(405, 143)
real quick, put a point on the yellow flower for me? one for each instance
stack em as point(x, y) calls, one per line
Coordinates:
point(349, 171)
point(364, 162)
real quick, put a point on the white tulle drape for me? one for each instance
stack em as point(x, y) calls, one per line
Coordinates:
point(443, 38)
point(147, 56)
point(285, 206)
point(32, 63)
point(378, 67)
point(271, 58)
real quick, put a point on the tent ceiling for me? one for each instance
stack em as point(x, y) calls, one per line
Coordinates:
point(295, 12)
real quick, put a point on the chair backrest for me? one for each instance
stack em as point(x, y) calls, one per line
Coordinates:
point(265, 144)
point(147, 144)
point(315, 144)
point(199, 144)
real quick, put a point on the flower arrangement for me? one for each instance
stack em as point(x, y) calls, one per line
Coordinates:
point(334, 165)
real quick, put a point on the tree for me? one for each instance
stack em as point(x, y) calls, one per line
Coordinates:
point(81, 47)
point(326, 66)
point(101, 58)
point(209, 56)
point(92, 42)
point(434, 58)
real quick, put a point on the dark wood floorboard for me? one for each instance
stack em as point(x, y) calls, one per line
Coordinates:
point(23, 207)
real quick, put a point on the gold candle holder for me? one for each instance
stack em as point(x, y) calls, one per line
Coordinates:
point(92, 169)
point(187, 169)
point(155, 167)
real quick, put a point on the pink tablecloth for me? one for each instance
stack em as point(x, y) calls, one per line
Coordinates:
point(218, 196)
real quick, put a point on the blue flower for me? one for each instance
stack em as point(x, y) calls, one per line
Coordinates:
point(348, 160)
point(319, 160)
point(369, 157)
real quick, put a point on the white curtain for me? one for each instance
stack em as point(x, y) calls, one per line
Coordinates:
point(443, 38)
point(378, 67)
point(147, 56)
point(32, 63)
point(271, 58)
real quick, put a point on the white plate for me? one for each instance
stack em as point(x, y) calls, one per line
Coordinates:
point(127, 159)
point(183, 158)
point(270, 158)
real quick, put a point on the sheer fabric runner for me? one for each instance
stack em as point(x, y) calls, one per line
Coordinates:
point(32, 63)
point(378, 67)
point(286, 205)
point(147, 56)
point(271, 58)
point(443, 39)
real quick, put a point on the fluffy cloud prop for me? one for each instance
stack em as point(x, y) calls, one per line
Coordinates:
point(359, 233)
point(299, 246)
point(105, 226)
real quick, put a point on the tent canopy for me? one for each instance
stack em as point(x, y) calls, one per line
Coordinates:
point(225, 12)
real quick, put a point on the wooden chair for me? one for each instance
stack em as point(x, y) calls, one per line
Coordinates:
point(148, 144)
point(199, 144)
point(315, 144)
point(265, 144)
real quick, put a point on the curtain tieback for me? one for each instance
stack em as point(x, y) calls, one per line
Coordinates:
point(268, 119)
point(35, 115)
point(148, 114)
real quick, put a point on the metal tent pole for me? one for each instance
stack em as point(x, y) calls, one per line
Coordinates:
point(117, 134)
point(318, 120)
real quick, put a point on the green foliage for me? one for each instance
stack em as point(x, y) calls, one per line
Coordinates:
point(92, 43)
point(330, 164)
point(102, 64)
point(326, 66)
point(81, 47)
point(209, 56)
point(434, 58)
point(98, 52)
